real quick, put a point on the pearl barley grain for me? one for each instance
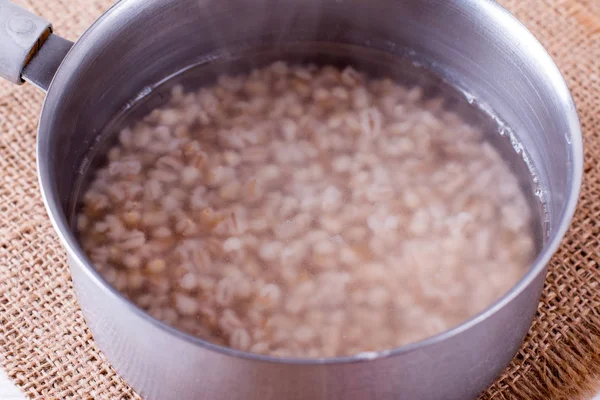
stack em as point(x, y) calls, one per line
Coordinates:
point(307, 212)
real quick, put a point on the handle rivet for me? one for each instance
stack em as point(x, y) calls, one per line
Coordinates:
point(21, 25)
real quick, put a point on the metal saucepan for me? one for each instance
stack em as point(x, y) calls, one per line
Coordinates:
point(474, 43)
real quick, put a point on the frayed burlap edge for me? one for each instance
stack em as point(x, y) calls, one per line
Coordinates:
point(563, 368)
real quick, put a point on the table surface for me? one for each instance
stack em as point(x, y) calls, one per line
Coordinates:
point(8, 391)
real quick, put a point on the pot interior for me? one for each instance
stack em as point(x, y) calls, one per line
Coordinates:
point(141, 43)
point(407, 69)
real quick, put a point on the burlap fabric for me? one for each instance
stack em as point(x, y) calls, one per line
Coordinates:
point(48, 351)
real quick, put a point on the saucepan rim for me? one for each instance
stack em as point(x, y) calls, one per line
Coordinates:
point(492, 10)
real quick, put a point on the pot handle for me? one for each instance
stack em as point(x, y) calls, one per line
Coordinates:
point(29, 51)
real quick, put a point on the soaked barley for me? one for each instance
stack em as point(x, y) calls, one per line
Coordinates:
point(307, 212)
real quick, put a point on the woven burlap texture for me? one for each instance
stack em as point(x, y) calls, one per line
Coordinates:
point(48, 351)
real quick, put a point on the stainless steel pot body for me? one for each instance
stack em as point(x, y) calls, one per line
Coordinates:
point(473, 43)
